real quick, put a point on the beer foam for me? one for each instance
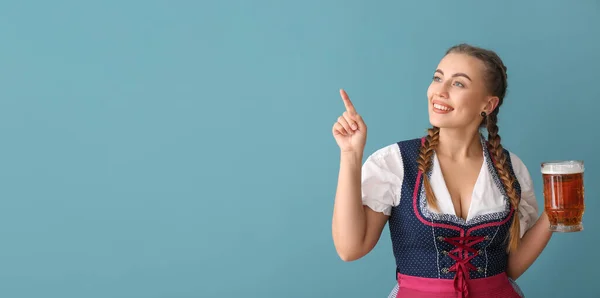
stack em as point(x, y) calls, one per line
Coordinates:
point(563, 167)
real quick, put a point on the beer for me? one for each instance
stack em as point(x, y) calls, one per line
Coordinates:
point(563, 195)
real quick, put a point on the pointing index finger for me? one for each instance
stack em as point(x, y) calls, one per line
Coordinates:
point(347, 102)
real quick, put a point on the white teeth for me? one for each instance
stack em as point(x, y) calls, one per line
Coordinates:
point(441, 107)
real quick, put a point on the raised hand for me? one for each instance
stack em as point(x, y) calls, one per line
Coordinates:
point(350, 131)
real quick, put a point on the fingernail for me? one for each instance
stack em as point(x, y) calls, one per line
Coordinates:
point(354, 126)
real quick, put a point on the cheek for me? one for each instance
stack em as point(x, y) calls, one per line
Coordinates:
point(430, 91)
point(466, 103)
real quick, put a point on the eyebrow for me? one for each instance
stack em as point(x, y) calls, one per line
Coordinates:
point(458, 74)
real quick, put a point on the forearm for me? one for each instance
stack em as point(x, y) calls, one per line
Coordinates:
point(531, 246)
point(349, 220)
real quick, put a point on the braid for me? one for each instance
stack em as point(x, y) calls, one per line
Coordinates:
point(424, 161)
point(505, 176)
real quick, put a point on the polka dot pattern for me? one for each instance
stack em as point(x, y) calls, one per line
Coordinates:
point(418, 239)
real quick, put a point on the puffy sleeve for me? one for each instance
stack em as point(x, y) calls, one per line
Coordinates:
point(528, 207)
point(381, 179)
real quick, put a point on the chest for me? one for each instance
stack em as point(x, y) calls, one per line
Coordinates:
point(460, 178)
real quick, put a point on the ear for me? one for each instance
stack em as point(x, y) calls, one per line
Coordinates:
point(492, 104)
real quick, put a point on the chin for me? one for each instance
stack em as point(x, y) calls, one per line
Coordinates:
point(437, 121)
point(445, 123)
point(448, 123)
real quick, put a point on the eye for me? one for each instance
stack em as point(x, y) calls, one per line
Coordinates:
point(437, 79)
point(459, 84)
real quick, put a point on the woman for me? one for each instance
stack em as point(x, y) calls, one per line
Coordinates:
point(461, 209)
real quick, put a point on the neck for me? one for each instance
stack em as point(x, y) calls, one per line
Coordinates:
point(459, 144)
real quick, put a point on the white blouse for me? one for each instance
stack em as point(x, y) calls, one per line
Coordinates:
point(383, 171)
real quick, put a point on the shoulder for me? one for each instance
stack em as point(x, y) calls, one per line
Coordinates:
point(393, 151)
point(519, 168)
point(384, 152)
point(389, 159)
point(414, 143)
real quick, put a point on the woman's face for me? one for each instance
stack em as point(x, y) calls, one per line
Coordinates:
point(457, 94)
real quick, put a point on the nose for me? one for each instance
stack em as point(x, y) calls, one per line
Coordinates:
point(441, 92)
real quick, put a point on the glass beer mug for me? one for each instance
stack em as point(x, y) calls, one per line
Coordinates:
point(563, 194)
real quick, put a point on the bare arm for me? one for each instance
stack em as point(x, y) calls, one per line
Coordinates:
point(355, 229)
point(532, 244)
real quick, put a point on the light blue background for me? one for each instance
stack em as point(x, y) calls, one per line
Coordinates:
point(184, 148)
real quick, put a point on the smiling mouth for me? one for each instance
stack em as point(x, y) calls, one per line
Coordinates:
point(441, 108)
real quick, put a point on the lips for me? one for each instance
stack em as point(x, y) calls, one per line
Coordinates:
point(441, 107)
